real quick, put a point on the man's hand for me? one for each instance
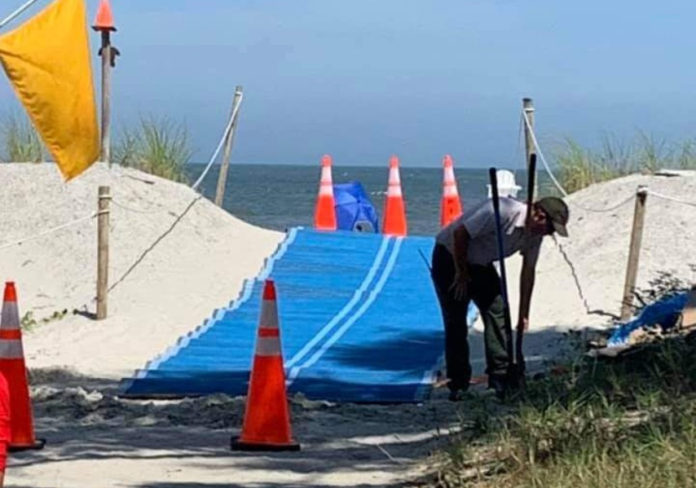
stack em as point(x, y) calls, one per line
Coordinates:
point(460, 286)
point(523, 324)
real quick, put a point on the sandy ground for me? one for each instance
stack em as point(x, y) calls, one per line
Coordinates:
point(199, 266)
point(96, 439)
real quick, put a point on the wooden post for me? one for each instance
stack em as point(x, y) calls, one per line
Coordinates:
point(528, 108)
point(103, 251)
point(222, 177)
point(106, 97)
point(104, 23)
point(634, 253)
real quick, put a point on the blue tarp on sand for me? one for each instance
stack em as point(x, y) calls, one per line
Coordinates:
point(663, 313)
point(359, 322)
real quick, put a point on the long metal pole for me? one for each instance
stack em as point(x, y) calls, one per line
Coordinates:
point(106, 97)
point(492, 172)
point(531, 184)
point(17, 13)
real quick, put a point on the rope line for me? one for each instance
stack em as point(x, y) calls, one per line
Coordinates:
point(671, 199)
point(228, 129)
point(131, 209)
point(147, 251)
point(555, 181)
point(16, 13)
point(50, 231)
point(574, 273)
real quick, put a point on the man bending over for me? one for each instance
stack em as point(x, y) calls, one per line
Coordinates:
point(463, 271)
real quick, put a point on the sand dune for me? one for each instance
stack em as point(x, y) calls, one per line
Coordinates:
point(198, 266)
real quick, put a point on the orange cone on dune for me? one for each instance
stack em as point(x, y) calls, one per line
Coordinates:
point(394, 207)
point(105, 17)
point(13, 368)
point(325, 213)
point(450, 206)
point(267, 416)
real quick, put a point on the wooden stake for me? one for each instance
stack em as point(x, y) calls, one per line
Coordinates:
point(222, 177)
point(634, 253)
point(528, 107)
point(103, 251)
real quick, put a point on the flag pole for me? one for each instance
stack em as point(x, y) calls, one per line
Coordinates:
point(104, 23)
point(17, 13)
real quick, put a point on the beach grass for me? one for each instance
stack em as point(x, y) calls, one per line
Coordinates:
point(621, 422)
point(624, 423)
point(578, 167)
point(19, 140)
point(157, 146)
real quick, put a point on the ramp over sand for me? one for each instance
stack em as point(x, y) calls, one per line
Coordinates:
point(198, 266)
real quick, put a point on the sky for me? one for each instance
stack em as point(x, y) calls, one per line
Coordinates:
point(364, 79)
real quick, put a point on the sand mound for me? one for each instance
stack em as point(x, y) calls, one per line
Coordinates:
point(198, 266)
point(598, 248)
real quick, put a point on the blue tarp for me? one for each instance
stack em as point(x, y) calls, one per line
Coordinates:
point(664, 313)
point(359, 322)
point(354, 210)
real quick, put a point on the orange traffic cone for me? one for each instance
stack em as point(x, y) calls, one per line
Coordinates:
point(267, 417)
point(13, 368)
point(450, 206)
point(105, 18)
point(325, 213)
point(394, 207)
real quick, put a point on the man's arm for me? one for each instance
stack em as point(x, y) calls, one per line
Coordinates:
point(461, 251)
point(527, 276)
point(461, 267)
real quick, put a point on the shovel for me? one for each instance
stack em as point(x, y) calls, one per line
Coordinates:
point(516, 368)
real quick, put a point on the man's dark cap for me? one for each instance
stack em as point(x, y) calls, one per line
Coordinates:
point(557, 211)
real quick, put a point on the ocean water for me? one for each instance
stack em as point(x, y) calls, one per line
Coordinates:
point(282, 196)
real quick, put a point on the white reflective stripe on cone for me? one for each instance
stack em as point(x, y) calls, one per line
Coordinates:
point(394, 191)
point(326, 190)
point(267, 346)
point(269, 314)
point(449, 175)
point(11, 349)
point(394, 177)
point(10, 316)
point(450, 191)
point(326, 175)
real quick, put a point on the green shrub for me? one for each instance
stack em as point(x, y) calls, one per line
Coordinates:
point(158, 147)
point(20, 141)
point(623, 422)
point(578, 167)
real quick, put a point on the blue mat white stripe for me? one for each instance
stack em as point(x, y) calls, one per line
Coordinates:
point(359, 322)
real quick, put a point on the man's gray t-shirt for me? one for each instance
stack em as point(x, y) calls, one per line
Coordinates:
point(479, 221)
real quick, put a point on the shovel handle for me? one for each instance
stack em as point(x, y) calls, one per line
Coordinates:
point(492, 172)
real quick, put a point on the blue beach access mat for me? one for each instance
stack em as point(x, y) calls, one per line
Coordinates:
point(359, 322)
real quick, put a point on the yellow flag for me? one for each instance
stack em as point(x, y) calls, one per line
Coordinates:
point(48, 62)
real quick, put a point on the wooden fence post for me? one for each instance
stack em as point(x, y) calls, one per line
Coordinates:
point(222, 177)
point(634, 253)
point(103, 251)
point(528, 108)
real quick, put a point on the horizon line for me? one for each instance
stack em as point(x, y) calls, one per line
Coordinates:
point(407, 166)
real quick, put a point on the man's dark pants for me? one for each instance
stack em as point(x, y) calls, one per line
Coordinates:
point(484, 290)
